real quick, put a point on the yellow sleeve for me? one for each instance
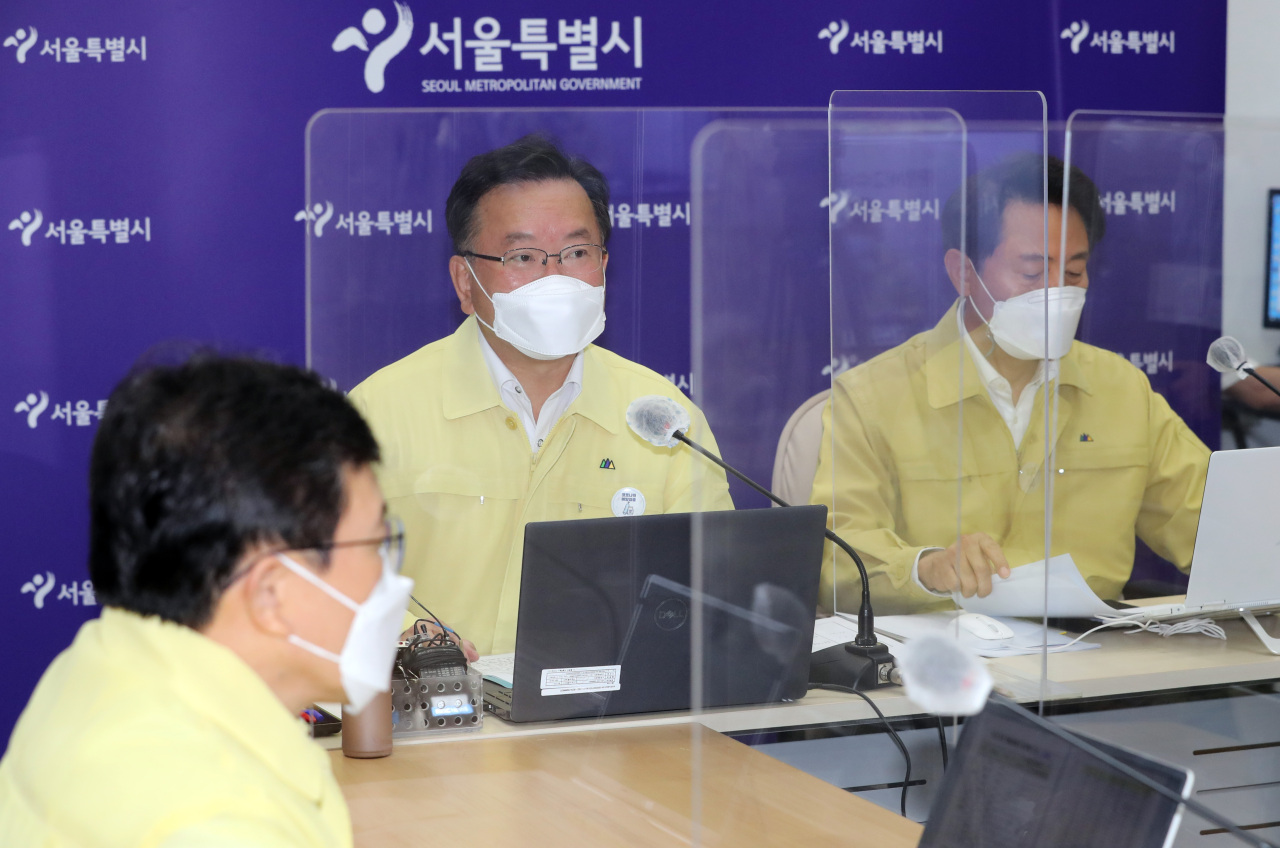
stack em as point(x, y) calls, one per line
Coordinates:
point(858, 484)
point(1175, 485)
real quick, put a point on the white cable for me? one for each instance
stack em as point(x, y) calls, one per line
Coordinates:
point(1203, 626)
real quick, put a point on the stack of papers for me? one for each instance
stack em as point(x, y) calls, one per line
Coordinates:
point(1024, 593)
point(1028, 637)
point(500, 668)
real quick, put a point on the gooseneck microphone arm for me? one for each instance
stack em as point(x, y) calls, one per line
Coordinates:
point(866, 637)
point(1248, 369)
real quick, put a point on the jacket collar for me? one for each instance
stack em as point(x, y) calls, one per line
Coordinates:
point(600, 400)
point(945, 354)
point(468, 387)
point(215, 683)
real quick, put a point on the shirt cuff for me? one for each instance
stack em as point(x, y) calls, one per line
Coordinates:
point(915, 573)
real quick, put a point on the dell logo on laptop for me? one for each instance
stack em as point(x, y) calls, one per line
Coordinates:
point(671, 614)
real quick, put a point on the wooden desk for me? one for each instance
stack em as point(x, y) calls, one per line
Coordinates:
point(520, 779)
point(639, 786)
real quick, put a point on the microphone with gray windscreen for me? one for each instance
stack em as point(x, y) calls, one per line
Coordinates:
point(1226, 355)
point(655, 418)
point(942, 676)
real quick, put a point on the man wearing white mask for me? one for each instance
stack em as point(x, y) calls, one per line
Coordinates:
point(1127, 465)
point(517, 416)
point(246, 568)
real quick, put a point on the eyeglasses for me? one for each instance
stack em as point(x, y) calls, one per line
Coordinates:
point(390, 548)
point(526, 264)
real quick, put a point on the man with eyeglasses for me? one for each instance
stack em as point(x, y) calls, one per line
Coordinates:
point(932, 516)
point(240, 548)
point(517, 416)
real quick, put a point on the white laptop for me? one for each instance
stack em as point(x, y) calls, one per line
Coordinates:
point(1236, 563)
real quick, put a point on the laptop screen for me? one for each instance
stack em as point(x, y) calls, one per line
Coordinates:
point(616, 614)
point(1013, 783)
point(1237, 537)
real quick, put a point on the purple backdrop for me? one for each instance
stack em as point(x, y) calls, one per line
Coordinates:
point(153, 182)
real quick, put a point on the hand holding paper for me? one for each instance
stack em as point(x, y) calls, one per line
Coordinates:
point(967, 567)
point(1023, 593)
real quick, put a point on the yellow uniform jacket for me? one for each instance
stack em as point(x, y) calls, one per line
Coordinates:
point(458, 470)
point(147, 733)
point(900, 475)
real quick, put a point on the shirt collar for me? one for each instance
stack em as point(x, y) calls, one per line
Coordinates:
point(502, 377)
point(993, 379)
point(943, 352)
point(471, 387)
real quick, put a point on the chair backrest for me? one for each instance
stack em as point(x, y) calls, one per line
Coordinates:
point(796, 461)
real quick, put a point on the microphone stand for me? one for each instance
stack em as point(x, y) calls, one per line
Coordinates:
point(1263, 380)
point(868, 659)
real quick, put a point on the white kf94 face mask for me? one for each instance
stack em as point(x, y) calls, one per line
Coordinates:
point(369, 651)
point(1018, 324)
point(549, 318)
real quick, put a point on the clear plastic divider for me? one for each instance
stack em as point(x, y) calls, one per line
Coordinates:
point(636, 641)
point(933, 445)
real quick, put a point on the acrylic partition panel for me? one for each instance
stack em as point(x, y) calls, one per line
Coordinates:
point(378, 247)
point(929, 479)
point(760, 349)
point(760, 308)
point(1155, 299)
point(705, 612)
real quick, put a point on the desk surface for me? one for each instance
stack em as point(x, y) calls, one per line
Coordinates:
point(638, 786)
point(630, 780)
point(1125, 665)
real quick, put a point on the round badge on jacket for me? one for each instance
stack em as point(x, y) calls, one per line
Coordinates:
point(628, 501)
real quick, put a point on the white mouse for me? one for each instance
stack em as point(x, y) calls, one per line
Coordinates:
point(983, 626)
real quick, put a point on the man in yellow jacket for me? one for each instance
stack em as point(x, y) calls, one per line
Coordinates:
point(517, 417)
point(239, 547)
point(897, 474)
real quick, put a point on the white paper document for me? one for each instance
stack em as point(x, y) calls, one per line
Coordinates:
point(500, 668)
point(1022, 593)
point(1028, 636)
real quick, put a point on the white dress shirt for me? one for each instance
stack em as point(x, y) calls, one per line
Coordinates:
point(1016, 415)
point(517, 400)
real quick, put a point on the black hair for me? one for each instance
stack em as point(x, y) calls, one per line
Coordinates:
point(532, 159)
point(1019, 178)
point(193, 464)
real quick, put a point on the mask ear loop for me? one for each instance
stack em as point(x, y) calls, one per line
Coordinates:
point(486, 296)
point(307, 575)
point(991, 339)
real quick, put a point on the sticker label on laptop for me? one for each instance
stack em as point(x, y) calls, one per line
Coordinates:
point(628, 501)
point(573, 681)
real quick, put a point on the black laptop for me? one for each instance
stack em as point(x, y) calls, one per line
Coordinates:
point(611, 614)
point(1013, 783)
